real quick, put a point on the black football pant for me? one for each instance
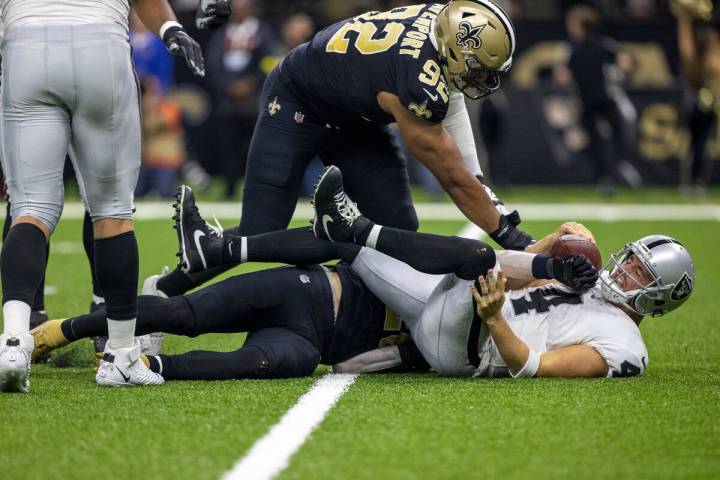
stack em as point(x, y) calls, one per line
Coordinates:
point(287, 312)
point(287, 138)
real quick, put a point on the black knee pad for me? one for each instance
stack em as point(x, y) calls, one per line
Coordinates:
point(478, 258)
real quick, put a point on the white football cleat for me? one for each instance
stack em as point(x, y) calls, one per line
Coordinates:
point(122, 367)
point(151, 344)
point(15, 354)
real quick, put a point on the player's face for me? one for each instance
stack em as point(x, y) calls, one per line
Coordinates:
point(633, 274)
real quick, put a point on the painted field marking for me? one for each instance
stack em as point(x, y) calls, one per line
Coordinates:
point(271, 454)
point(448, 211)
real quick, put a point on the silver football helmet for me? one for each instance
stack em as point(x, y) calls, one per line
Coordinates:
point(670, 266)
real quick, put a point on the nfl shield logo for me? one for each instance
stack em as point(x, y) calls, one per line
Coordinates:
point(299, 117)
point(304, 278)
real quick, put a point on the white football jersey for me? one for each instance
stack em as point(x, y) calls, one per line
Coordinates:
point(553, 316)
point(44, 12)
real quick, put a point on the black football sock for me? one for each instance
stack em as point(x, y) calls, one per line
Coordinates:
point(436, 254)
point(116, 265)
point(297, 246)
point(39, 301)
point(155, 314)
point(89, 245)
point(247, 362)
point(22, 263)
point(176, 283)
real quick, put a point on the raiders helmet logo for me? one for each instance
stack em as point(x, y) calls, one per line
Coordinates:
point(683, 288)
point(469, 36)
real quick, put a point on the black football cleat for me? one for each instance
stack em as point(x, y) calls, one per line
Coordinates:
point(336, 216)
point(200, 243)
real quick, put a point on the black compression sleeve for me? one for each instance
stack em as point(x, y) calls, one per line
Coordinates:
point(435, 254)
point(297, 246)
point(247, 362)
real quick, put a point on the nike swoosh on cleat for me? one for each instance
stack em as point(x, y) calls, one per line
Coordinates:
point(325, 220)
point(197, 235)
point(433, 97)
point(125, 377)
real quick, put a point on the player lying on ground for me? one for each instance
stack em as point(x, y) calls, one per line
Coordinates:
point(296, 317)
point(541, 330)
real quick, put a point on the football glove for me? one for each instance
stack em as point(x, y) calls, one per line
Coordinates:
point(508, 235)
point(575, 271)
point(212, 13)
point(179, 43)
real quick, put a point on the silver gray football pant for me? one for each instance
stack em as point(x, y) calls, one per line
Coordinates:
point(69, 88)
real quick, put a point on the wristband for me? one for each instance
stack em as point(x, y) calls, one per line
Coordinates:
point(168, 25)
point(531, 366)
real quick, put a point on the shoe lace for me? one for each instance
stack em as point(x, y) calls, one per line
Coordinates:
point(217, 229)
point(346, 208)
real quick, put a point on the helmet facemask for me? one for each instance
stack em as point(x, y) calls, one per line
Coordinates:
point(478, 81)
point(656, 298)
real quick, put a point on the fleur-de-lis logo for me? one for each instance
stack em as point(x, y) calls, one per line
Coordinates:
point(421, 110)
point(469, 36)
point(274, 106)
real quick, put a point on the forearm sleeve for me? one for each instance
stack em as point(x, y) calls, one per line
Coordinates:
point(457, 124)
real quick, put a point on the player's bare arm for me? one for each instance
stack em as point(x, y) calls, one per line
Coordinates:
point(159, 18)
point(432, 145)
point(489, 299)
point(575, 361)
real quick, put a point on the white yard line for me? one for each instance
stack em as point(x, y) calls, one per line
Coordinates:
point(448, 211)
point(271, 454)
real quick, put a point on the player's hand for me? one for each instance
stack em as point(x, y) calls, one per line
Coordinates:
point(212, 13)
point(574, 228)
point(489, 294)
point(179, 43)
point(575, 271)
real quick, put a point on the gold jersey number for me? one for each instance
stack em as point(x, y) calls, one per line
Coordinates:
point(367, 40)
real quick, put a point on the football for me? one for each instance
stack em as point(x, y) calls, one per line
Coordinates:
point(577, 245)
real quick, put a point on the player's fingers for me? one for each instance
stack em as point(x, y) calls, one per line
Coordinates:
point(476, 294)
point(491, 282)
point(483, 286)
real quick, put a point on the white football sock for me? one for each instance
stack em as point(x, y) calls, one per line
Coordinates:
point(121, 333)
point(16, 315)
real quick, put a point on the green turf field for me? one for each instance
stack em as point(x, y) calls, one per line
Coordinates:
point(665, 424)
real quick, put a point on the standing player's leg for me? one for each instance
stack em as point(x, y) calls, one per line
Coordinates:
point(280, 150)
point(106, 147)
point(38, 315)
point(98, 298)
point(35, 133)
point(375, 173)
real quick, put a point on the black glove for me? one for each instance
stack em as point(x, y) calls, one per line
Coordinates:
point(179, 43)
point(575, 271)
point(212, 13)
point(508, 235)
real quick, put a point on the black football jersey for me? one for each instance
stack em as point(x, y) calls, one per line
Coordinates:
point(338, 74)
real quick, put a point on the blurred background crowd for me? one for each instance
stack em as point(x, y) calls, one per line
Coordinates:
point(604, 94)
